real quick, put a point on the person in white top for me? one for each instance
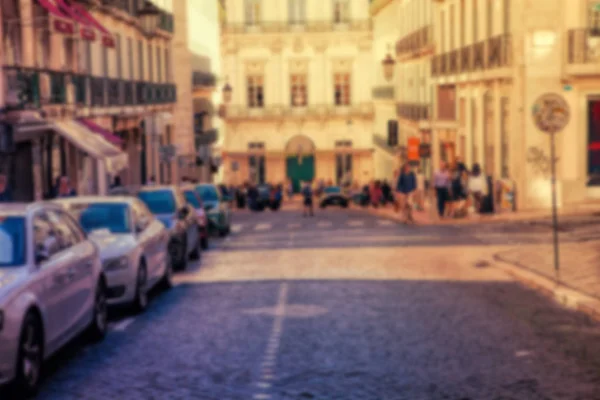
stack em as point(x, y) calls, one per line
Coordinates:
point(477, 186)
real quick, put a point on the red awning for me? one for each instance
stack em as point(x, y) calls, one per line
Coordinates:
point(63, 23)
point(86, 28)
point(107, 37)
point(107, 135)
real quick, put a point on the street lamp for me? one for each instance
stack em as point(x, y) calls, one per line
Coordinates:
point(227, 91)
point(149, 17)
point(388, 64)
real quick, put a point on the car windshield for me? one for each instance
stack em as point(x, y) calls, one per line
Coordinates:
point(12, 241)
point(159, 201)
point(207, 193)
point(333, 189)
point(96, 216)
point(192, 198)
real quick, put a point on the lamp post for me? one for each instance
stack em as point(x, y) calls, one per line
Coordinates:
point(149, 17)
point(388, 65)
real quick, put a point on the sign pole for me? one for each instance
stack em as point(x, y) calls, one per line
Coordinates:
point(554, 206)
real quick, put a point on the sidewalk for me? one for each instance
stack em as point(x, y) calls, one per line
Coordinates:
point(430, 217)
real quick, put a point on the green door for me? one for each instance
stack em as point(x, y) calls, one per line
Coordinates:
point(300, 169)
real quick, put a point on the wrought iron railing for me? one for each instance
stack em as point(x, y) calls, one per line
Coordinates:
point(383, 92)
point(32, 88)
point(583, 46)
point(415, 41)
point(413, 111)
point(294, 26)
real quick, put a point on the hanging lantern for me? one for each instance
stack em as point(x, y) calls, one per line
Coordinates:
point(388, 64)
point(149, 17)
point(227, 91)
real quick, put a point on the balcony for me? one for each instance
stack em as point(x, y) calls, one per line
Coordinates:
point(296, 26)
point(166, 22)
point(386, 92)
point(312, 111)
point(486, 55)
point(206, 138)
point(31, 88)
point(583, 52)
point(201, 79)
point(415, 42)
point(412, 111)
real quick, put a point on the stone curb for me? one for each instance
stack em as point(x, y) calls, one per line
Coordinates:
point(561, 294)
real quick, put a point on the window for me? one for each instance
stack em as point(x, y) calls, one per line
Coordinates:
point(111, 216)
point(594, 18)
point(253, 12)
point(168, 76)
point(130, 57)
point(140, 60)
point(452, 25)
point(442, 31)
point(159, 64)
point(159, 201)
point(506, 19)
point(192, 198)
point(462, 23)
point(13, 237)
point(504, 140)
point(343, 162)
point(66, 237)
point(298, 90)
point(42, 36)
point(256, 146)
point(475, 19)
point(149, 54)
point(104, 61)
point(257, 168)
point(85, 56)
point(341, 11)
point(118, 52)
point(44, 236)
point(490, 18)
point(342, 89)
point(255, 91)
point(208, 193)
point(474, 134)
point(297, 11)
point(141, 216)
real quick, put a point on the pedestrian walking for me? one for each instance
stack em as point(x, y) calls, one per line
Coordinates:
point(375, 194)
point(5, 194)
point(458, 194)
point(441, 183)
point(386, 191)
point(307, 194)
point(405, 188)
point(477, 187)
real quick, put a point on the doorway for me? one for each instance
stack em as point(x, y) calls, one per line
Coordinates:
point(300, 161)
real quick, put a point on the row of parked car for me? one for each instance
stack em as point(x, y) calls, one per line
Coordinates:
point(63, 263)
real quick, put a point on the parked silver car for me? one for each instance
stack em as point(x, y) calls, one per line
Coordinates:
point(132, 245)
point(52, 288)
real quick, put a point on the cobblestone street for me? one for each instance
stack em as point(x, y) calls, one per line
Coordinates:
point(340, 306)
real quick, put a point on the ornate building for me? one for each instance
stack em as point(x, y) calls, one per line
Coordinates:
point(86, 92)
point(300, 74)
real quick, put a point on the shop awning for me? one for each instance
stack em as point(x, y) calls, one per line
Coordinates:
point(62, 22)
point(107, 135)
point(94, 145)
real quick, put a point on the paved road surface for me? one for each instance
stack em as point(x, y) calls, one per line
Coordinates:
point(339, 306)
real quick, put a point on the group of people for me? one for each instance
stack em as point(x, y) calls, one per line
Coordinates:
point(61, 188)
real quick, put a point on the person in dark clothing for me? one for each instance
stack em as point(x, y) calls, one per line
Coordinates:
point(5, 194)
point(116, 182)
point(64, 188)
point(441, 182)
point(307, 194)
point(406, 187)
point(386, 190)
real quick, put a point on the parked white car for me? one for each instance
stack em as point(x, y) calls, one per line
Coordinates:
point(132, 245)
point(52, 288)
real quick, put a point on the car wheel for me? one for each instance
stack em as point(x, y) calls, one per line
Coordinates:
point(30, 357)
point(178, 255)
point(167, 280)
point(195, 255)
point(204, 243)
point(344, 204)
point(99, 325)
point(140, 302)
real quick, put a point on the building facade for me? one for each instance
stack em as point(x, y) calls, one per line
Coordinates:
point(86, 93)
point(301, 105)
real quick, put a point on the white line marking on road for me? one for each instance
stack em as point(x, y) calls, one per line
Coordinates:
point(294, 225)
point(262, 227)
point(522, 353)
point(122, 325)
point(356, 223)
point(324, 224)
point(385, 222)
point(268, 363)
point(236, 228)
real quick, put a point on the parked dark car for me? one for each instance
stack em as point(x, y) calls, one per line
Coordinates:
point(333, 196)
point(193, 199)
point(217, 210)
point(170, 207)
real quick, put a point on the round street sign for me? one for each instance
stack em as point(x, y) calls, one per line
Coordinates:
point(550, 113)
